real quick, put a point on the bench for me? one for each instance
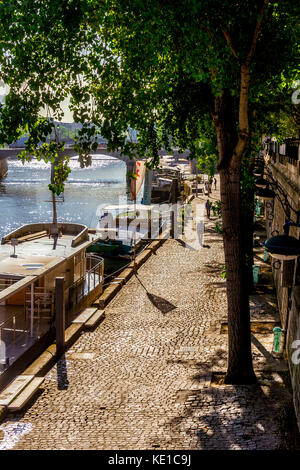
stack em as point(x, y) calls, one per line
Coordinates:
point(32, 236)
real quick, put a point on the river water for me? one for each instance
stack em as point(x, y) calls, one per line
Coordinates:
point(25, 197)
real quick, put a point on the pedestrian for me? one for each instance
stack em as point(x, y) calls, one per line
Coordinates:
point(215, 181)
point(207, 206)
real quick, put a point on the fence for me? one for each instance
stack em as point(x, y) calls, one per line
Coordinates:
point(11, 330)
point(22, 328)
point(93, 277)
point(6, 282)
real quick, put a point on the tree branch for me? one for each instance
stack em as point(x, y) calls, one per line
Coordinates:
point(230, 44)
point(244, 91)
point(256, 31)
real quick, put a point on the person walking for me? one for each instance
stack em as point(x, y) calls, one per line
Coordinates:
point(215, 181)
point(205, 187)
point(207, 206)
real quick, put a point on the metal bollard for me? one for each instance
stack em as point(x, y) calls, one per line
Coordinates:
point(255, 270)
point(276, 351)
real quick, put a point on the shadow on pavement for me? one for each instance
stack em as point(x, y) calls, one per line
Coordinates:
point(226, 417)
point(159, 302)
point(185, 245)
point(62, 374)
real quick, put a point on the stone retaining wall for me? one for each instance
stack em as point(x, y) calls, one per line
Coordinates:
point(287, 277)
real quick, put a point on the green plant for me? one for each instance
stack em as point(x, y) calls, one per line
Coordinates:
point(216, 208)
point(219, 228)
point(223, 272)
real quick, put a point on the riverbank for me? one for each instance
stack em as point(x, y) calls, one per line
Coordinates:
point(146, 377)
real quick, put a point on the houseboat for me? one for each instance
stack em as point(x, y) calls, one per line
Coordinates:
point(123, 228)
point(29, 266)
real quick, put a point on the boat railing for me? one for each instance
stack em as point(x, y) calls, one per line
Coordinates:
point(95, 273)
point(93, 276)
point(7, 282)
point(39, 304)
point(11, 330)
point(22, 328)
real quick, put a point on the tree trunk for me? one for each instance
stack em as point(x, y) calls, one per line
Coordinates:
point(54, 221)
point(54, 230)
point(232, 135)
point(248, 213)
point(247, 225)
point(247, 234)
point(54, 226)
point(240, 368)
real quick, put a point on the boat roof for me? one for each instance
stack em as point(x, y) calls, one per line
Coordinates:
point(35, 256)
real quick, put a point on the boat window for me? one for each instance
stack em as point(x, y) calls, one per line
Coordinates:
point(33, 265)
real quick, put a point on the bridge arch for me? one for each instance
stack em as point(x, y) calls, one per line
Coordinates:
point(69, 151)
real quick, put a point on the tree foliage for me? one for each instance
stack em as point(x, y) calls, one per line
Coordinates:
point(178, 72)
point(154, 66)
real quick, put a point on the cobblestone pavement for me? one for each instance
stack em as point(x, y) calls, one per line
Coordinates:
point(142, 378)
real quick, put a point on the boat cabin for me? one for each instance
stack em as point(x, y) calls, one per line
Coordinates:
point(29, 266)
point(130, 222)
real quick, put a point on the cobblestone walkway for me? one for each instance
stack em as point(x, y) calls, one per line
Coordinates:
point(142, 378)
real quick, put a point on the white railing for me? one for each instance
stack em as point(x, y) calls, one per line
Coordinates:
point(95, 273)
point(6, 282)
point(89, 281)
point(12, 328)
point(22, 328)
point(11, 331)
point(39, 303)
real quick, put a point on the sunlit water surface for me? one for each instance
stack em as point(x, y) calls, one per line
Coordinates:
point(25, 197)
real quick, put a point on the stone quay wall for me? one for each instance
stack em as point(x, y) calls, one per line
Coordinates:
point(286, 172)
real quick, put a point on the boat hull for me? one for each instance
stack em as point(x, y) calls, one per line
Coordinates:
point(111, 248)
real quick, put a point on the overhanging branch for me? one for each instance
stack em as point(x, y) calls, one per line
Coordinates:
point(230, 44)
point(256, 32)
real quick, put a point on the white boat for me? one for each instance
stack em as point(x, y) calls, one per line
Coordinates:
point(29, 267)
point(125, 226)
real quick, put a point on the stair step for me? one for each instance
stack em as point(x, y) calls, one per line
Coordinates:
point(14, 389)
point(95, 319)
point(84, 316)
point(20, 401)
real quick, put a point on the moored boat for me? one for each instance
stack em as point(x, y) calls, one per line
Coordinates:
point(122, 228)
point(110, 247)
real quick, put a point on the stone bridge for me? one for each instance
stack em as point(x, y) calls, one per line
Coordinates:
point(13, 152)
